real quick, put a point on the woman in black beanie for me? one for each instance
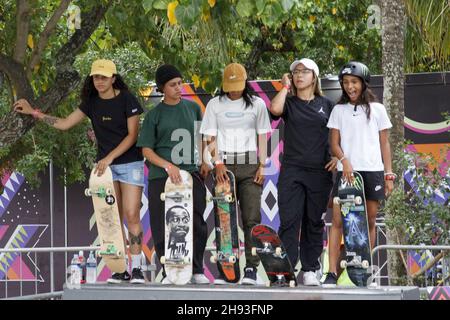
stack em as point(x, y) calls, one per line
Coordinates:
point(155, 138)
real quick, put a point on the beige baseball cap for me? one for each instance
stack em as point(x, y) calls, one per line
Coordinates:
point(234, 77)
point(103, 67)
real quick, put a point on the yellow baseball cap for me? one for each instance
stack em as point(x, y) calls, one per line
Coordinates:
point(234, 76)
point(103, 67)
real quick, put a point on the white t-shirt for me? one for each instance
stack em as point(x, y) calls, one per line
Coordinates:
point(360, 138)
point(235, 126)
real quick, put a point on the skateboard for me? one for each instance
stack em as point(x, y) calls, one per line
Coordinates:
point(352, 201)
point(178, 211)
point(109, 226)
point(273, 256)
point(226, 225)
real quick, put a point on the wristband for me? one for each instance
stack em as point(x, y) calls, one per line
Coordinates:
point(390, 176)
point(36, 113)
point(168, 167)
point(218, 162)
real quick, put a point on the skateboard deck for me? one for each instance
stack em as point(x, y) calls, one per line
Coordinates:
point(109, 226)
point(178, 211)
point(273, 256)
point(352, 201)
point(226, 225)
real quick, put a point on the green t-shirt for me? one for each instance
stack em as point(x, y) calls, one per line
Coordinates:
point(171, 132)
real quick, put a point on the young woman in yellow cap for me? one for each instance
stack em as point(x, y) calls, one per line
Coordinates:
point(305, 179)
point(236, 123)
point(114, 113)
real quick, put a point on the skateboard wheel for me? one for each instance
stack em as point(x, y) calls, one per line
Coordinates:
point(278, 251)
point(109, 191)
point(336, 200)
point(209, 198)
point(228, 198)
point(187, 196)
point(186, 260)
point(365, 264)
point(268, 283)
point(119, 254)
point(253, 251)
point(292, 284)
point(163, 197)
point(232, 259)
point(99, 255)
point(87, 192)
point(213, 259)
point(358, 200)
point(343, 264)
point(163, 260)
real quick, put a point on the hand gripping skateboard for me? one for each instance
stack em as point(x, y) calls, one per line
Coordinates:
point(226, 225)
point(273, 256)
point(109, 226)
point(352, 201)
point(178, 211)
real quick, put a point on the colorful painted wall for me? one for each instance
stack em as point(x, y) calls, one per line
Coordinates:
point(25, 213)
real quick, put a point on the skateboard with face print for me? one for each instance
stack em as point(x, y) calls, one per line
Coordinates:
point(352, 202)
point(109, 226)
point(178, 211)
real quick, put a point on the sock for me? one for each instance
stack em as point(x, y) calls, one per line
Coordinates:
point(136, 261)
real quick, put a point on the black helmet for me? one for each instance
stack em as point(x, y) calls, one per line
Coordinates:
point(357, 69)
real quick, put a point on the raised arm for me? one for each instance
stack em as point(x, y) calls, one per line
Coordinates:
point(22, 106)
point(277, 104)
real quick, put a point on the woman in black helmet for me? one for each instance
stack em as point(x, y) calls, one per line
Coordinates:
point(360, 140)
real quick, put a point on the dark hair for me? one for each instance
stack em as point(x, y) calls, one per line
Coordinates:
point(364, 100)
point(88, 91)
point(248, 95)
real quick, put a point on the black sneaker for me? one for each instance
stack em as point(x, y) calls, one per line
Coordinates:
point(137, 276)
point(330, 280)
point(119, 277)
point(249, 276)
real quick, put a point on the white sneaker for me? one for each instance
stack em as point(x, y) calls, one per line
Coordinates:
point(310, 279)
point(220, 281)
point(166, 281)
point(199, 278)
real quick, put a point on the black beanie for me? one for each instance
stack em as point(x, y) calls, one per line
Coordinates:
point(165, 73)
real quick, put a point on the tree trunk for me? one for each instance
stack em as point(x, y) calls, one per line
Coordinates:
point(393, 34)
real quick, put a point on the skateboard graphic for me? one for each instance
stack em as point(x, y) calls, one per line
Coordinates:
point(178, 210)
point(226, 225)
point(352, 201)
point(273, 256)
point(109, 226)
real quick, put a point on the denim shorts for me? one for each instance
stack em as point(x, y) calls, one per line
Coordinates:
point(129, 173)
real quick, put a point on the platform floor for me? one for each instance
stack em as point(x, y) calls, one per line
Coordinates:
point(152, 291)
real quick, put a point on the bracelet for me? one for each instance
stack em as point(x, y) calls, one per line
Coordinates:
point(168, 168)
point(218, 162)
point(390, 176)
point(36, 113)
point(340, 160)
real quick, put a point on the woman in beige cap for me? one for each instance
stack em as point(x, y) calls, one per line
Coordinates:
point(305, 179)
point(236, 123)
point(114, 113)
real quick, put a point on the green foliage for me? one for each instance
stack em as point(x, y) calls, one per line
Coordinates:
point(414, 210)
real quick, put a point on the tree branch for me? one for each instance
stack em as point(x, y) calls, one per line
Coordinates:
point(12, 125)
point(45, 35)
point(22, 27)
